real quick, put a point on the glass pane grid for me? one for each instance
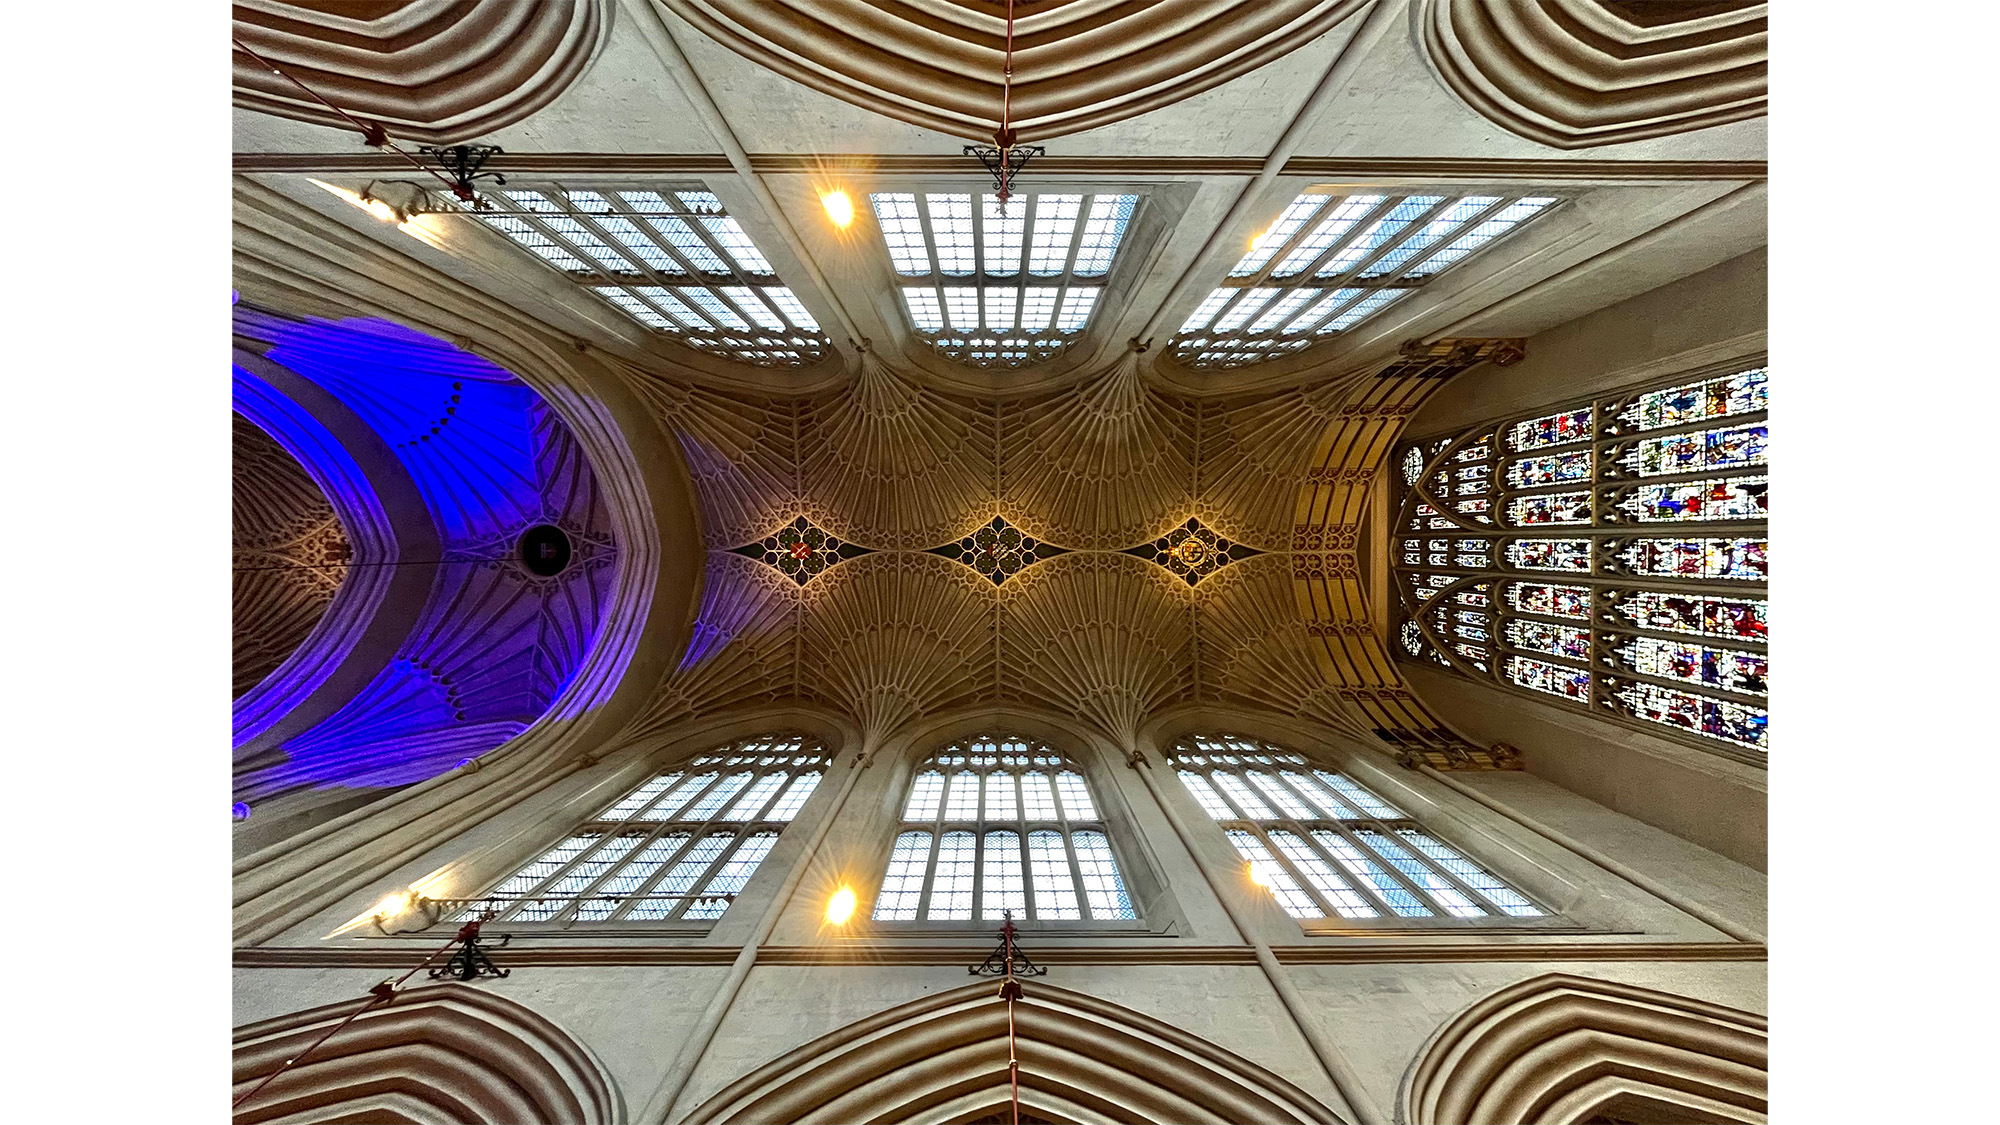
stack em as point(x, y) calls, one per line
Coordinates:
point(1640, 541)
point(1327, 263)
point(635, 862)
point(628, 246)
point(1322, 844)
point(1006, 287)
point(1018, 832)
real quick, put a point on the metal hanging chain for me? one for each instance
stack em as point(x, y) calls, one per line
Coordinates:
point(380, 994)
point(1002, 962)
point(1005, 158)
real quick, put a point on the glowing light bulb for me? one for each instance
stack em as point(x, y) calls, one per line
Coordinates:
point(841, 907)
point(839, 208)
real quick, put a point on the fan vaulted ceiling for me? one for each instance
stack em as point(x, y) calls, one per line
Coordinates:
point(1100, 454)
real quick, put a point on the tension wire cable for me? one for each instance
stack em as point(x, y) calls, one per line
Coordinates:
point(380, 993)
point(368, 132)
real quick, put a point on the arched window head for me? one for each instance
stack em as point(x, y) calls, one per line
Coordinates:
point(677, 849)
point(1326, 847)
point(1000, 826)
point(1610, 555)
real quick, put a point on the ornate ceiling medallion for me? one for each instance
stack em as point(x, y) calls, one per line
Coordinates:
point(801, 551)
point(1077, 64)
point(1192, 551)
point(999, 550)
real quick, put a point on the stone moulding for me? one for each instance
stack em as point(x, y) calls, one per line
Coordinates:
point(1078, 64)
point(1582, 73)
point(944, 1058)
point(433, 71)
point(436, 1053)
point(1559, 1048)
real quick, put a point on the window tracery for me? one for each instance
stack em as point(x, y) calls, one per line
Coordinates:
point(1637, 590)
point(672, 259)
point(678, 848)
point(997, 824)
point(1324, 846)
point(1332, 260)
point(1001, 287)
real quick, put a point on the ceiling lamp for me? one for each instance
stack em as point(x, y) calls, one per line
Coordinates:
point(1003, 157)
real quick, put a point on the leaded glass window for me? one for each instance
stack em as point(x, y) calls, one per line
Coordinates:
point(1325, 846)
point(678, 848)
point(1335, 258)
point(1001, 287)
point(1002, 824)
point(671, 258)
point(1621, 556)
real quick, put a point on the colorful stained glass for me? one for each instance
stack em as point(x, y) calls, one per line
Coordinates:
point(1473, 552)
point(1741, 393)
point(1726, 668)
point(1740, 618)
point(1550, 554)
point(1555, 679)
point(1425, 594)
point(1555, 507)
point(1554, 429)
point(1555, 601)
point(1747, 559)
point(1552, 468)
point(1478, 451)
point(1471, 597)
point(1413, 638)
point(1719, 498)
point(1730, 447)
point(1739, 723)
point(1556, 640)
point(1413, 465)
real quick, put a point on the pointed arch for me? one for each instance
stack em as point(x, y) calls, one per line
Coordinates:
point(944, 1058)
point(440, 1053)
point(1559, 1049)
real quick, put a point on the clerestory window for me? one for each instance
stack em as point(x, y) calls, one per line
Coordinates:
point(1335, 258)
point(676, 849)
point(997, 825)
point(1324, 846)
point(1611, 555)
point(994, 287)
point(672, 259)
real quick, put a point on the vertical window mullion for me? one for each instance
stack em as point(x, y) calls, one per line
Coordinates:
point(1362, 225)
point(695, 885)
point(647, 884)
point(1305, 883)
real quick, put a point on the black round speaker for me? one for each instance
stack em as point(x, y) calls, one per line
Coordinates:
point(545, 550)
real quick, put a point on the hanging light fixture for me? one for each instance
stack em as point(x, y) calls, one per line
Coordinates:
point(1004, 158)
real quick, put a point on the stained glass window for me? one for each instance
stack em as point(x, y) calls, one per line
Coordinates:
point(678, 848)
point(674, 260)
point(1615, 559)
point(999, 825)
point(995, 287)
point(1333, 259)
point(1325, 846)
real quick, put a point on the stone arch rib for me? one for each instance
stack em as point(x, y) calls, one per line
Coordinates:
point(434, 71)
point(1559, 1049)
point(440, 1053)
point(944, 1057)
